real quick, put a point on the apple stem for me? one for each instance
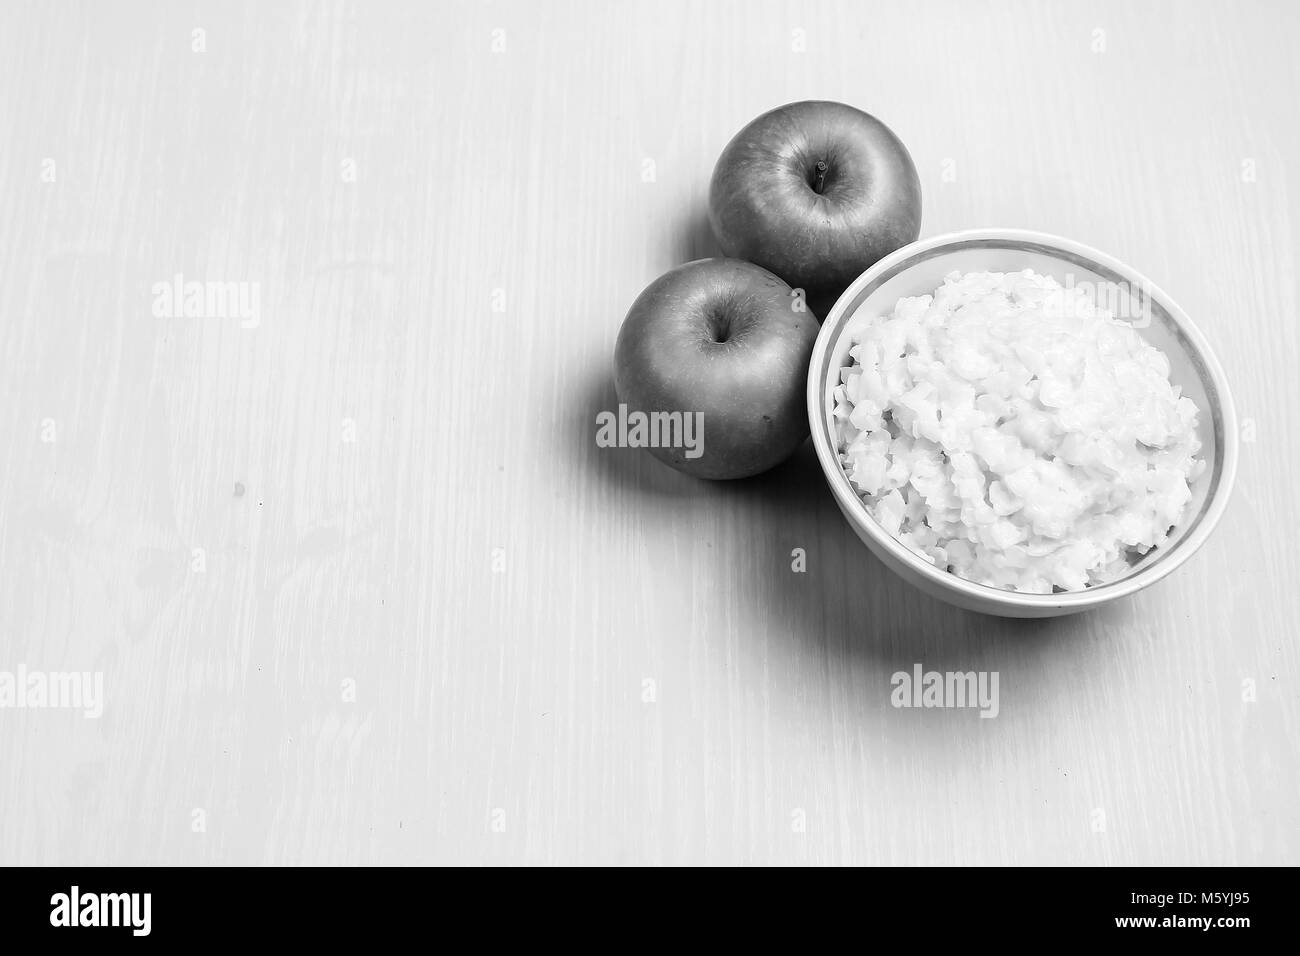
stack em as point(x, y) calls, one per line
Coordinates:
point(821, 177)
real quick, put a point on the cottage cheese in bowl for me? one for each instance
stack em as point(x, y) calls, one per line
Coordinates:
point(1008, 430)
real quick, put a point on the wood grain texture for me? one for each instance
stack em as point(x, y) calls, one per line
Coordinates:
point(425, 511)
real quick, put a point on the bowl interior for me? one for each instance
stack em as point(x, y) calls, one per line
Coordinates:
point(1127, 294)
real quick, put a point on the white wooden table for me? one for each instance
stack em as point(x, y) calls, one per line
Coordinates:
point(360, 584)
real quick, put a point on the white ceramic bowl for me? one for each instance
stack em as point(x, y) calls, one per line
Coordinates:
point(919, 269)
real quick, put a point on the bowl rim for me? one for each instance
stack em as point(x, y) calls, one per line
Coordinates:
point(827, 454)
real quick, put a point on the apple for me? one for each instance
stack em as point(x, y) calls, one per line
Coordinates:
point(728, 343)
point(815, 192)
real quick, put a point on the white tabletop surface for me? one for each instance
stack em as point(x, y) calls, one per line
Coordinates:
point(360, 584)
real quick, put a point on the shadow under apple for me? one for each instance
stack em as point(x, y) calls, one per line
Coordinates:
point(695, 239)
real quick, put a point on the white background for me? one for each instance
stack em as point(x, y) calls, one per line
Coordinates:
point(1163, 133)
